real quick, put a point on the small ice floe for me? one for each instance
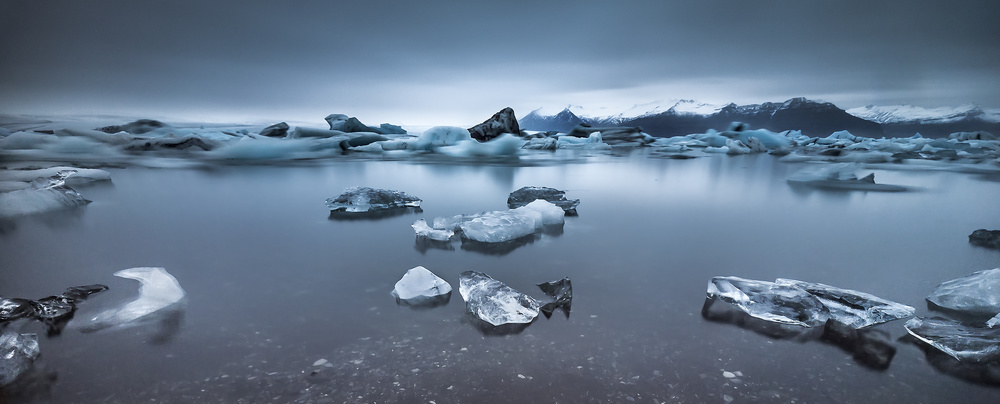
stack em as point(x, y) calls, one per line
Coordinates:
point(840, 177)
point(976, 295)
point(526, 195)
point(421, 287)
point(17, 353)
point(804, 304)
point(424, 230)
point(159, 292)
point(494, 302)
point(365, 199)
point(42, 195)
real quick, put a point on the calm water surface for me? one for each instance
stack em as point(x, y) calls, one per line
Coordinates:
point(274, 284)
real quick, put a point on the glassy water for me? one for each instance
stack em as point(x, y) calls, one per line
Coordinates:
point(274, 284)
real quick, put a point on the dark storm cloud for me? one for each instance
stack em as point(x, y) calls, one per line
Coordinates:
point(430, 62)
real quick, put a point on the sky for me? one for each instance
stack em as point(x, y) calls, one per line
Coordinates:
point(457, 62)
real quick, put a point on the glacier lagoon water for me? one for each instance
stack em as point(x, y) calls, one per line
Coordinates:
point(285, 303)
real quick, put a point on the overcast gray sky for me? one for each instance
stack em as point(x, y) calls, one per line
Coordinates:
point(458, 62)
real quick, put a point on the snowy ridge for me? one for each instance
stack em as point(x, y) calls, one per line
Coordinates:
point(913, 114)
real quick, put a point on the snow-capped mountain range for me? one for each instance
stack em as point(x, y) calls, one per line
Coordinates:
point(681, 117)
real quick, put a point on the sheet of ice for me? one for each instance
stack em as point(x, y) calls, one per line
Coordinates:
point(840, 177)
point(45, 194)
point(17, 353)
point(158, 290)
point(528, 195)
point(503, 145)
point(419, 285)
point(961, 341)
point(850, 307)
point(423, 230)
point(977, 294)
point(769, 301)
point(365, 199)
point(494, 302)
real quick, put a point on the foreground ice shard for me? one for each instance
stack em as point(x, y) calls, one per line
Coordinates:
point(158, 290)
point(977, 294)
point(45, 194)
point(17, 352)
point(54, 311)
point(420, 286)
point(561, 294)
point(527, 195)
point(850, 307)
point(494, 302)
point(961, 341)
point(365, 199)
point(770, 301)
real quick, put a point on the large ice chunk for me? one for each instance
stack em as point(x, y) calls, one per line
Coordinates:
point(17, 352)
point(158, 290)
point(419, 286)
point(493, 302)
point(365, 199)
point(45, 194)
point(423, 230)
point(769, 301)
point(960, 341)
point(977, 294)
point(527, 195)
point(499, 226)
point(850, 307)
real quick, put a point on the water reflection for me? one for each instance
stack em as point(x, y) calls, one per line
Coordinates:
point(986, 373)
point(869, 347)
point(55, 220)
point(491, 330)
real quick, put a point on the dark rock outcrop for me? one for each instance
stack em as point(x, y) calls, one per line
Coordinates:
point(986, 238)
point(500, 123)
point(351, 124)
point(136, 127)
point(277, 130)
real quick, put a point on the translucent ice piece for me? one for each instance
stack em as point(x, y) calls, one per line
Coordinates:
point(769, 301)
point(977, 294)
point(419, 285)
point(493, 302)
point(960, 341)
point(850, 307)
point(17, 352)
point(365, 199)
point(158, 290)
point(499, 226)
point(423, 230)
point(550, 213)
point(45, 194)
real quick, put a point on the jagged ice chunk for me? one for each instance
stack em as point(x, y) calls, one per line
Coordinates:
point(769, 301)
point(527, 195)
point(850, 307)
point(960, 341)
point(17, 352)
point(494, 302)
point(977, 294)
point(158, 290)
point(365, 199)
point(423, 230)
point(418, 285)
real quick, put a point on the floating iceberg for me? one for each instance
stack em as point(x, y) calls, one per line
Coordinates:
point(365, 199)
point(850, 307)
point(527, 195)
point(158, 291)
point(840, 177)
point(45, 194)
point(770, 301)
point(977, 294)
point(495, 303)
point(423, 230)
point(960, 341)
point(17, 353)
point(420, 286)
point(561, 294)
point(499, 226)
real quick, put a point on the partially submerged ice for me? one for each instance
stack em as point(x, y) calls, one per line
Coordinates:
point(560, 294)
point(365, 199)
point(527, 195)
point(420, 286)
point(158, 291)
point(53, 311)
point(424, 230)
point(43, 195)
point(769, 301)
point(977, 294)
point(494, 302)
point(496, 226)
point(840, 177)
point(850, 307)
point(17, 353)
point(963, 342)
